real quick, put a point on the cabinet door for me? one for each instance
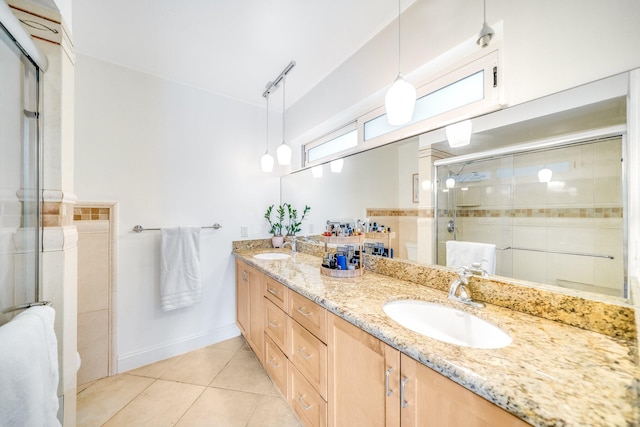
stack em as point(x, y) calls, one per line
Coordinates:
point(242, 298)
point(430, 399)
point(363, 378)
point(256, 314)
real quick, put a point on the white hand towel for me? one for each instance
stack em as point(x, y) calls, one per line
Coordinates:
point(463, 254)
point(29, 370)
point(180, 273)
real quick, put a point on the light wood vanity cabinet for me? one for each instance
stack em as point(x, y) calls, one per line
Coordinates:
point(333, 373)
point(373, 384)
point(363, 377)
point(250, 306)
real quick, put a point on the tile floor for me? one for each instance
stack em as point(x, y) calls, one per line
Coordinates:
point(220, 385)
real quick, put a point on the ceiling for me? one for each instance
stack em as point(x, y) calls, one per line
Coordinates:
point(230, 47)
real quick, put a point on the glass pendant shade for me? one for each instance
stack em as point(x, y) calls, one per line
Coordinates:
point(450, 183)
point(316, 171)
point(459, 134)
point(336, 165)
point(284, 154)
point(400, 102)
point(266, 161)
point(544, 175)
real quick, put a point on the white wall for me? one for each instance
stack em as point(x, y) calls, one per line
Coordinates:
point(170, 155)
point(548, 46)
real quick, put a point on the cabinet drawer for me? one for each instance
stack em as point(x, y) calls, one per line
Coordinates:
point(276, 292)
point(309, 314)
point(305, 401)
point(309, 355)
point(276, 324)
point(275, 363)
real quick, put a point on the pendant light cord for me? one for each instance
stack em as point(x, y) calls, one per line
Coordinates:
point(284, 81)
point(399, 43)
point(484, 11)
point(267, 150)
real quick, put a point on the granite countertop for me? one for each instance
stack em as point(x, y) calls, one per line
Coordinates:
point(551, 374)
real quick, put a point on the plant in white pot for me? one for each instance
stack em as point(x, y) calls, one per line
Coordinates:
point(276, 226)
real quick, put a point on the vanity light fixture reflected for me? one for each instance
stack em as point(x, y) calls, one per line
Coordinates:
point(459, 134)
point(336, 165)
point(450, 182)
point(544, 175)
point(316, 171)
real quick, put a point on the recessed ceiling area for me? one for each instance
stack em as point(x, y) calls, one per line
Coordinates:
point(229, 47)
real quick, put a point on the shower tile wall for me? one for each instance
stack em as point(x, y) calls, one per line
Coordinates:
point(93, 292)
point(580, 210)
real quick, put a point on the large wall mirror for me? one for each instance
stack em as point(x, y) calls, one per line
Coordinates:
point(567, 230)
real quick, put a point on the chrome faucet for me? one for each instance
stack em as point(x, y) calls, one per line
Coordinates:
point(293, 243)
point(458, 290)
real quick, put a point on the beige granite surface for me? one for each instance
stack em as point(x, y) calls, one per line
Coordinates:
point(552, 374)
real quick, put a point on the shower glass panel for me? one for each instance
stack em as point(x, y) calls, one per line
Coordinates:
point(19, 177)
point(565, 230)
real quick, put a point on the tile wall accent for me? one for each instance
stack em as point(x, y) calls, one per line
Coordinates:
point(90, 214)
point(611, 212)
point(56, 214)
point(391, 212)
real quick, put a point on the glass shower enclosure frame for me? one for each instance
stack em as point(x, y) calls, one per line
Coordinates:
point(20, 178)
point(568, 229)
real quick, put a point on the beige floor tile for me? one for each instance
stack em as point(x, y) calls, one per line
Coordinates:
point(273, 411)
point(199, 367)
point(235, 343)
point(219, 407)
point(155, 370)
point(244, 373)
point(102, 399)
point(162, 404)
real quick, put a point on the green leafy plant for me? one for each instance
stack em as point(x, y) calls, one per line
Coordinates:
point(294, 224)
point(275, 226)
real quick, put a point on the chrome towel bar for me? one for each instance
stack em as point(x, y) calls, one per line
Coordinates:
point(140, 229)
point(556, 252)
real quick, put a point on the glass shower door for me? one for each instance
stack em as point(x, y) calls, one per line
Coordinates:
point(19, 178)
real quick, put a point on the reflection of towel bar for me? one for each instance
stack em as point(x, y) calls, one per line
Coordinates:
point(25, 306)
point(556, 252)
point(140, 229)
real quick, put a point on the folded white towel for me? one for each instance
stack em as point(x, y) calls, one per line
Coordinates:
point(29, 370)
point(463, 254)
point(180, 273)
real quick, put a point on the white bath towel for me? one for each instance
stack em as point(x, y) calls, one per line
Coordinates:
point(29, 370)
point(463, 254)
point(180, 273)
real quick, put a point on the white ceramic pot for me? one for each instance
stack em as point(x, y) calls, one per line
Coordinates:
point(277, 241)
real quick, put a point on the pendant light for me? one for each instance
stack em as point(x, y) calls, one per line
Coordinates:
point(400, 99)
point(486, 32)
point(266, 161)
point(284, 151)
point(459, 134)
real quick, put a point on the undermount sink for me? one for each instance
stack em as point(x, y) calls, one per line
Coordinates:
point(272, 256)
point(446, 324)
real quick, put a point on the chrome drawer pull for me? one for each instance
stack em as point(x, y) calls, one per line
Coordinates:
point(273, 324)
point(404, 402)
point(304, 405)
point(304, 313)
point(273, 363)
point(386, 381)
point(304, 355)
point(274, 291)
